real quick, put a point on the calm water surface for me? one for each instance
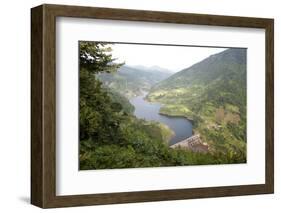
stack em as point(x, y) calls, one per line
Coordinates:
point(150, 111)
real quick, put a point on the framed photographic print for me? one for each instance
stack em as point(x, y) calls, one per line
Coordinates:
point(136, 106)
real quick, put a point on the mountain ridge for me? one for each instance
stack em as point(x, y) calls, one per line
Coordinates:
point(153, 68)
point(229, 56)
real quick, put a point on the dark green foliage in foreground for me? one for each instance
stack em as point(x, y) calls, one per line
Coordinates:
point(141, 149)
point(111, 137)
point(100, 118)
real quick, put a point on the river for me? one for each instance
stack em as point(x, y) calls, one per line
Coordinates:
point(181, 126)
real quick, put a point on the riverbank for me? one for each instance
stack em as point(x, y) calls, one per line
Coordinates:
point(175, 116)
point(178, 110)
point(151, 111)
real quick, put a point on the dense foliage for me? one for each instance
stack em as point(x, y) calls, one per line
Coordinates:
point(110, 136)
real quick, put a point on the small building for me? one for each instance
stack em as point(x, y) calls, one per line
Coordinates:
point(192, 143)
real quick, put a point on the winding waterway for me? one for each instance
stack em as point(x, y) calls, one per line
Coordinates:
point(150, 111)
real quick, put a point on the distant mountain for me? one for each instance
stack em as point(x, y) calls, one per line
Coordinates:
point(132, 81)
point(153, 68)
point(213, 94)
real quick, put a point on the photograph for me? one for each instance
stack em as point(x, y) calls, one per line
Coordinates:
point(151, 105)
point(145, 105)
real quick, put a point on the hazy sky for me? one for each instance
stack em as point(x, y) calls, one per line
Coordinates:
point(173, 58)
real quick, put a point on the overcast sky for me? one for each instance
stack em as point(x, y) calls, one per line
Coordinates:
point(174, 58)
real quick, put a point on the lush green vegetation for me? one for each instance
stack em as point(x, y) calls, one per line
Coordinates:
point(213, 94)
point(111, 137)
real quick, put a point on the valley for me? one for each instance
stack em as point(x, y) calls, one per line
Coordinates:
point(211, 94)
point(149, 116)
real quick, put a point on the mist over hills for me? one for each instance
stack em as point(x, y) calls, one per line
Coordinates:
point(132, 81)
point(154, 68)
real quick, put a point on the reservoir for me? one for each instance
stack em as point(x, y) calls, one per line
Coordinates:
point(150, 111)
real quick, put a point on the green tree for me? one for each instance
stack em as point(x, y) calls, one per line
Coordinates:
point(99, 117)
point(96, 57)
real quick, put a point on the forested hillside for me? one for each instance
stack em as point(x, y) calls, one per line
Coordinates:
point(212, 93)
point(131, 81)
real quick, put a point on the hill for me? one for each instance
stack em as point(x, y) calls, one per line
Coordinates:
point(212, 93)
point(153, 68)
point(131, 81)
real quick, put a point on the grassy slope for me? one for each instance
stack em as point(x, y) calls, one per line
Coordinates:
point(213, 94)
